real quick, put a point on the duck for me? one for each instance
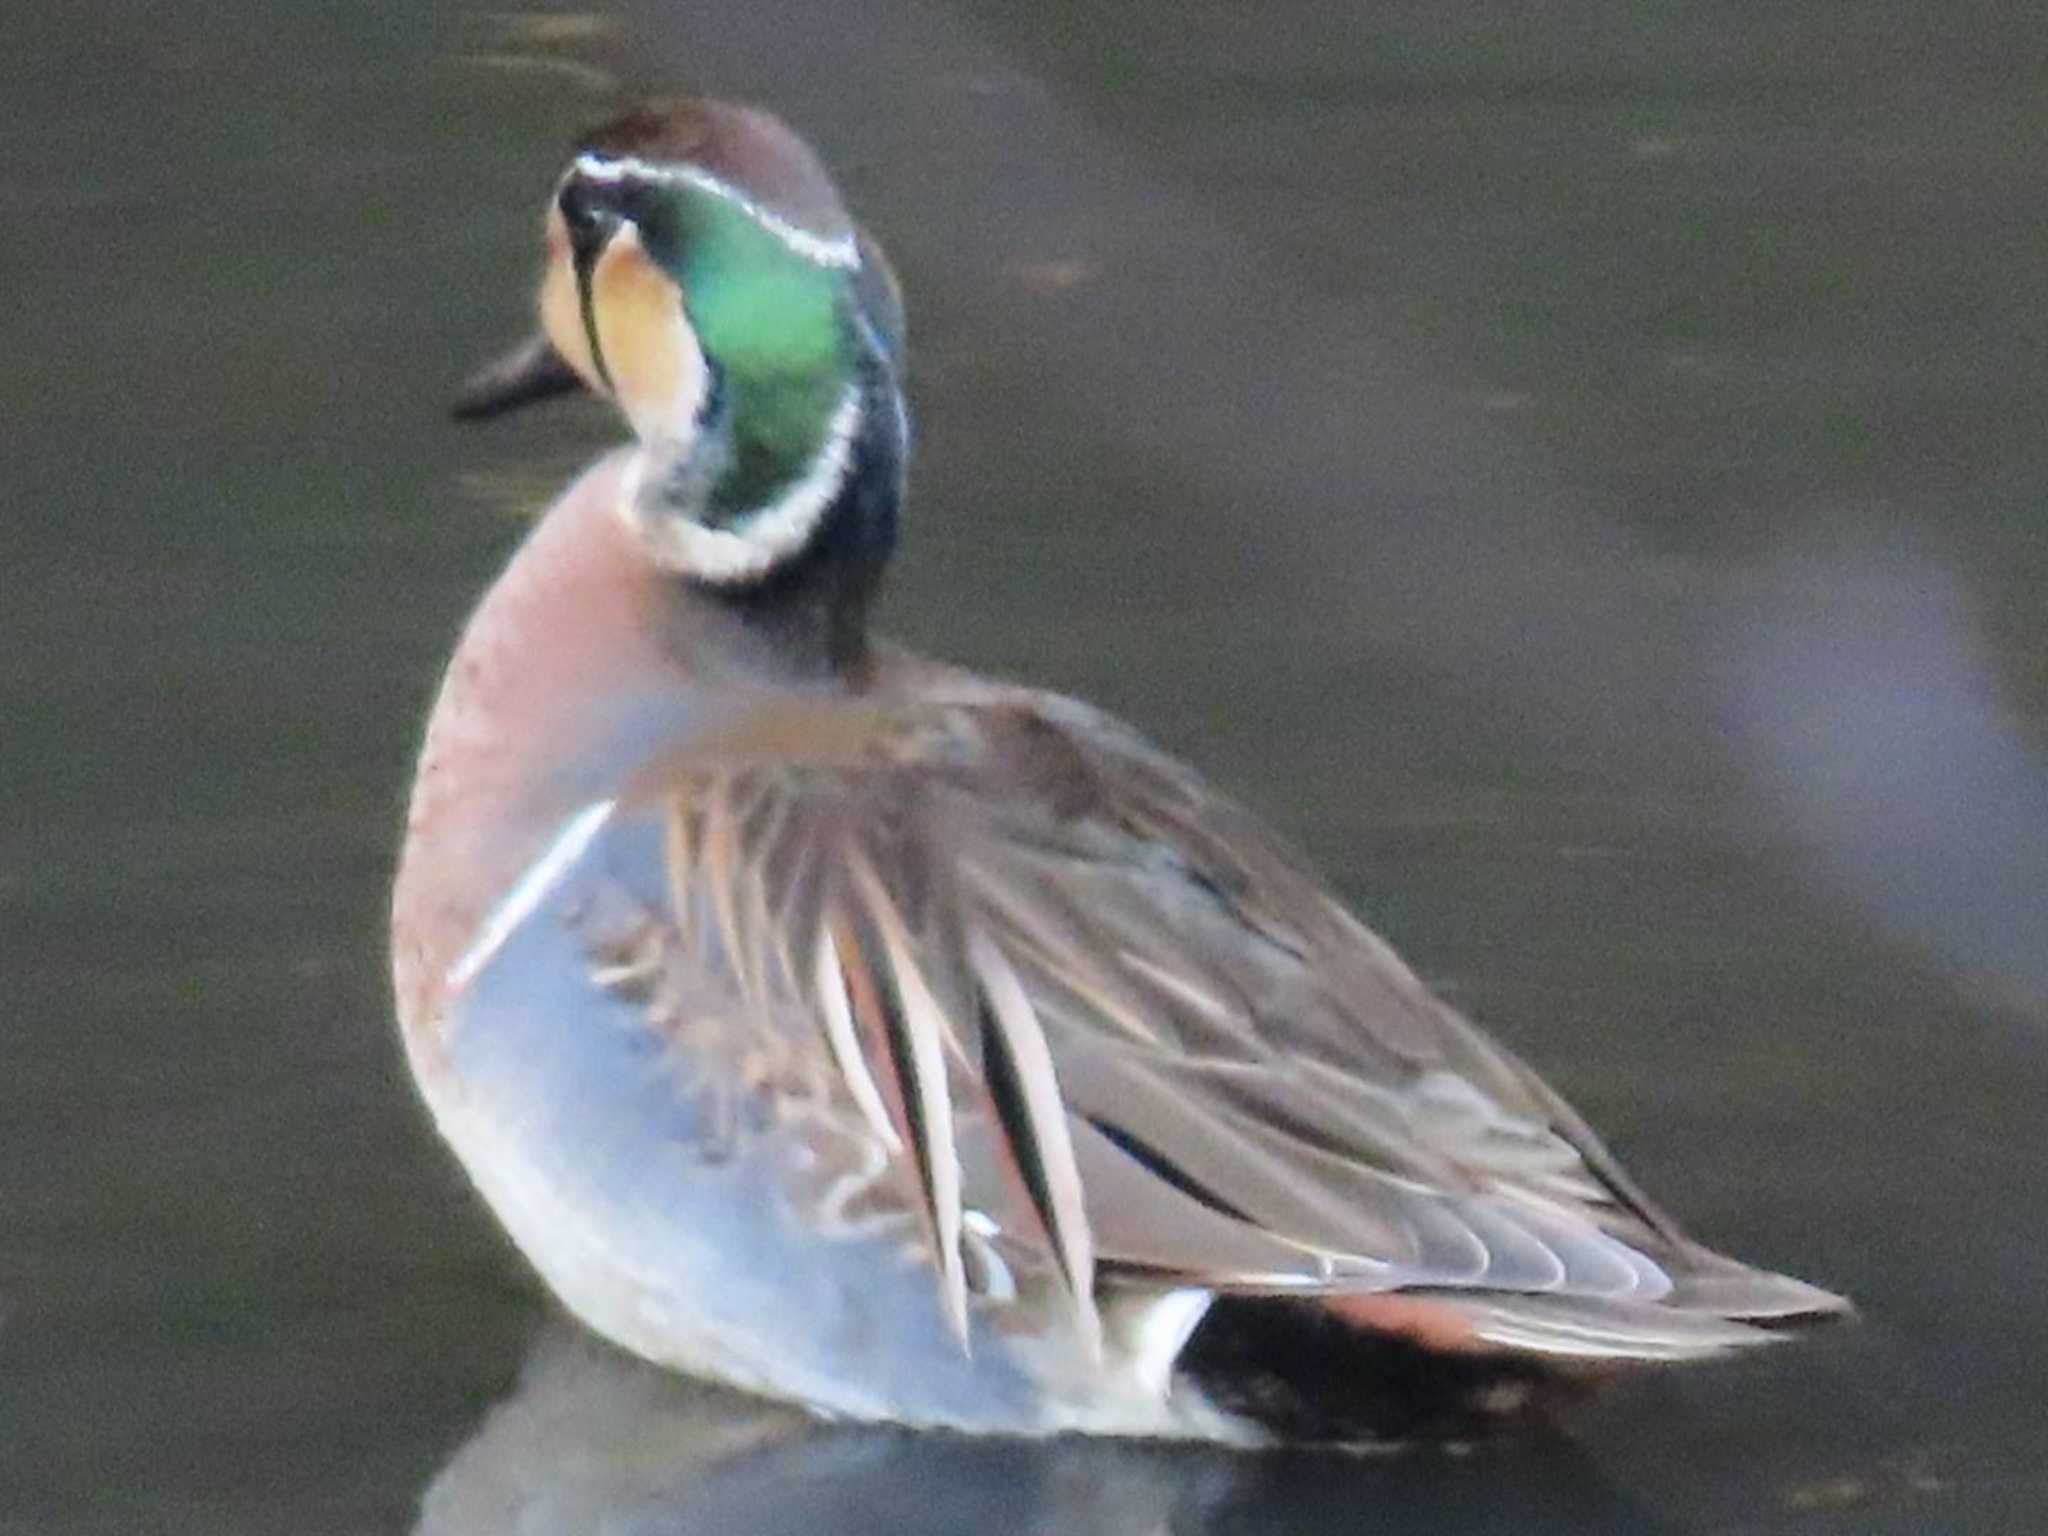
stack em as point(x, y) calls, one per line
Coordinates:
point(911, 1045)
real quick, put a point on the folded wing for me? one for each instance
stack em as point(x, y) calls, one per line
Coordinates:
point(1004, 911)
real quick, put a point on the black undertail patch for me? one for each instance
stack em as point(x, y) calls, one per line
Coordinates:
point(1307, 1376)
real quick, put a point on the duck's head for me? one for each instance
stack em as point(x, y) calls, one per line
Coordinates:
point(704, 276)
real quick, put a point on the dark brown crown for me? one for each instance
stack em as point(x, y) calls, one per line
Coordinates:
point(751, 151)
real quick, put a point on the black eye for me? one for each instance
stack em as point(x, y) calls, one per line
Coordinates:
point(588, 214)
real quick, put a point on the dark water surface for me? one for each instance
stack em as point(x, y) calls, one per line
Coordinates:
point(1583, 475)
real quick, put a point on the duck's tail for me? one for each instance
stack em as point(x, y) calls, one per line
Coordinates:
point(1715, 1305)
point(1434, 1363)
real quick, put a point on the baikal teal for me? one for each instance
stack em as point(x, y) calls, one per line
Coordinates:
point(908, 1044)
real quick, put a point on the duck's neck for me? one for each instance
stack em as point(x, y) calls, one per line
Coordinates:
point(782, 581)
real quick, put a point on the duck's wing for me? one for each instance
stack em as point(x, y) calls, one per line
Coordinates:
point(1004, 911)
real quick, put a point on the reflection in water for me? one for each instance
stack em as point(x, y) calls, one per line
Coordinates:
point(592, 1440)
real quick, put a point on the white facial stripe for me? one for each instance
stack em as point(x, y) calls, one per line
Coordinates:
point(841, 252)
point(766, 538)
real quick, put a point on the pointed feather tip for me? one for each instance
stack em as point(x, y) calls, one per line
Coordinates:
point(1775, 1302)
point(1025, 1094)
point(1770, 1309)
point(1088, 1326)
point(1706, 1281)
point(916, 1055)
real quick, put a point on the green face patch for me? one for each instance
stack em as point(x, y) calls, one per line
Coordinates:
point(773, 323)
